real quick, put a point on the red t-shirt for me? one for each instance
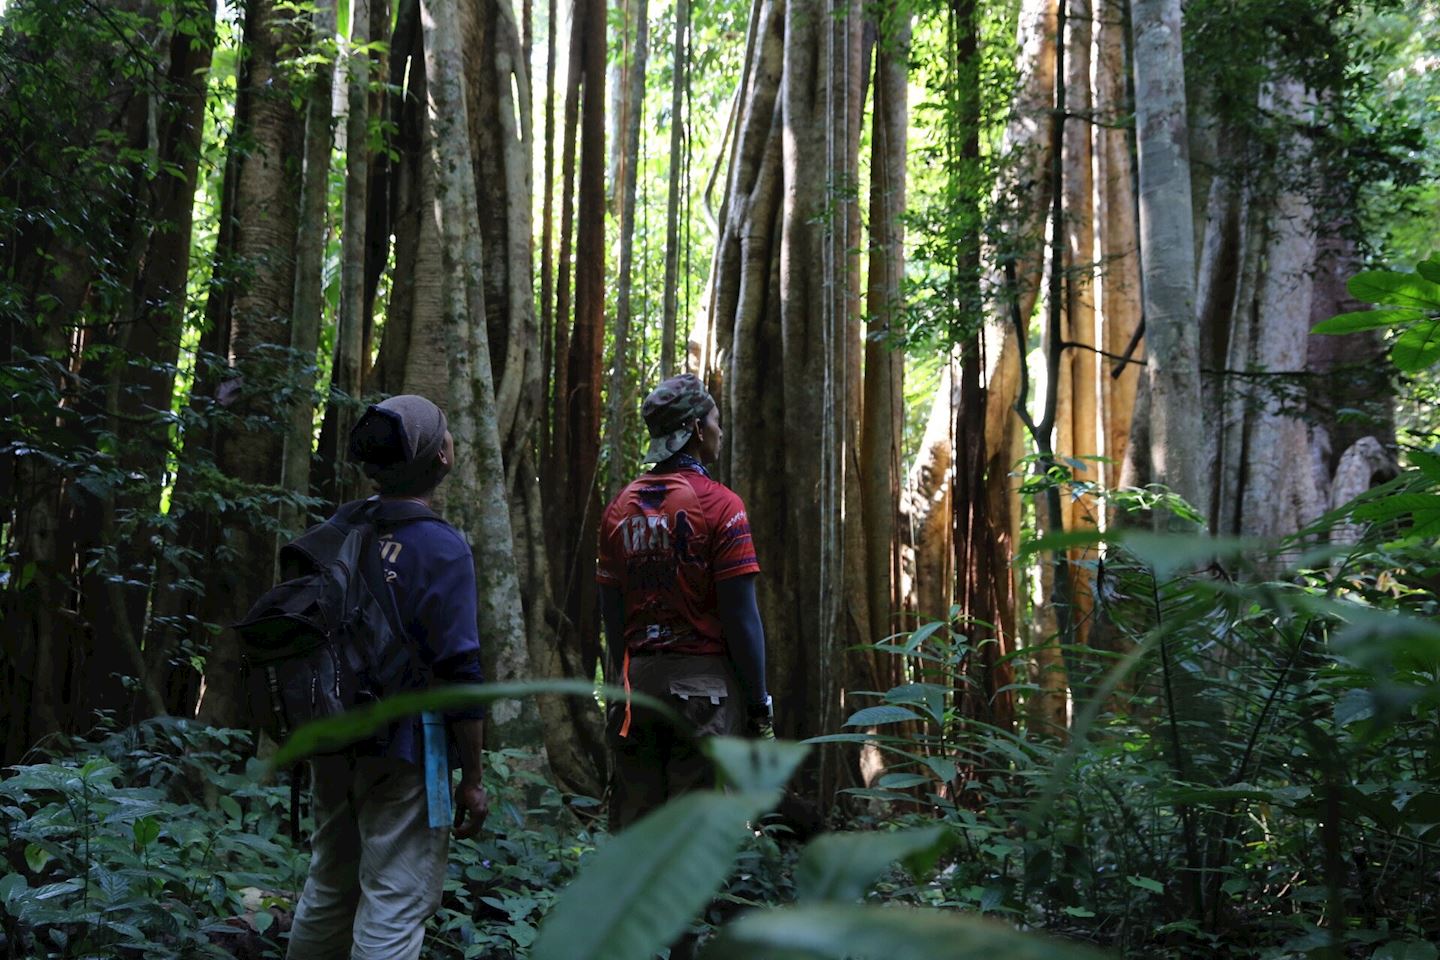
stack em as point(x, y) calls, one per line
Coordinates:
point(665, 541)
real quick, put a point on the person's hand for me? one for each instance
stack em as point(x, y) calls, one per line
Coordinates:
point(759, 723)
point(471, 805)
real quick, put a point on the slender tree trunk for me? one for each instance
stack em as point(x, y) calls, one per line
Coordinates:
point(628, 152)
point(346, 383)
point(309, 293)
point(1118, 294)
point(680, 81)
point(879, 475)
point(1167, 250)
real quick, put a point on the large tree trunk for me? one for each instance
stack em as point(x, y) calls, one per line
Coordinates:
point(267, 212)
point(477, 494)
point(1167, 251)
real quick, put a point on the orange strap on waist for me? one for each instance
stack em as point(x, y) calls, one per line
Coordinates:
point(625, 673)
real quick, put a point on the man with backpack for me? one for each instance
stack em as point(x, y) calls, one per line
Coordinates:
point(378, 862)
point(676, 572)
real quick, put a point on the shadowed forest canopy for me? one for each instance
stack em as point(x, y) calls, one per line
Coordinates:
point(1076, 361)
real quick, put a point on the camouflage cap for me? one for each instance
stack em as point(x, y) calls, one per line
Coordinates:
point(670, 412)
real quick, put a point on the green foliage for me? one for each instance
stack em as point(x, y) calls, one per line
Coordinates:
point(166, 840)
point(1412, 311)
point(122, 854)
point(895, 933)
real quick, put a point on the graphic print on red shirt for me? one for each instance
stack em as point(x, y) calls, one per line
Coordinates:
point(665, 541)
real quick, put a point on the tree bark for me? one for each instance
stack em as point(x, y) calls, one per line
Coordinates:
point(879, 476)
point(478, 494)
point(679, 156)
point(1167, 250)
point(309, 293)
point(628, 152)
point(267, 214)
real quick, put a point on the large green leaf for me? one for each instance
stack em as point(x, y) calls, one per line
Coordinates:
point(1399, 505)
point(641, 890)
point(1395, 289)
point(334, 733)
point(1359, 320)
point(882, 933)
point(875, 716)
point(1429, 268)
point(840, 867)
point(1417, 348)
point(755, 766)
point(1169, 553)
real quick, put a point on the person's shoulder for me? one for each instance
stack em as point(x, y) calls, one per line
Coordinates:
point(436, 535)
point(714, 490)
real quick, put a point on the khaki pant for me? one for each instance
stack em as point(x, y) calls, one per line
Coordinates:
point(657, 761)
point(377, 869)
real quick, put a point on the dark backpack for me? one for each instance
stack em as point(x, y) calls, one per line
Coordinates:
point(328, 637)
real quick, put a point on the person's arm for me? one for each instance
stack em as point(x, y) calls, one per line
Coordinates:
point(449, 631)
point(612, 616)
point(471, 800)
point(745, 641)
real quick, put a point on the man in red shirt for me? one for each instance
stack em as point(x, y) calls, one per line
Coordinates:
point(677, 575)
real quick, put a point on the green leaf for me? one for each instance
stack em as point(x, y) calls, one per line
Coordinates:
point(147, 830)
point(1065, 540)
point(1405, 950)
point(1354, 705)
point(901, 781)
point(36, 857)
point(1427, 463)
point(1429, 269)
point(263, 920)
point(640, 890)
point(1398, 505)
point(1169, 553)
point(895, 933)
point(1145, 883)
point(1417, 348)
point(12, 885)
point(1395, 289)
point(876, 716)
point(1357, 321)
point(755, 766)
point(333, 733)
point(840, 867)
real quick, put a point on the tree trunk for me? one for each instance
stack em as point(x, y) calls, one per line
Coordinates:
point(679, 155)
point(267, 211)
point(478, 495)
point(628, 152)
point(879, 475)
point(347, 386)
point(309, 293)
point(1167, 250)
point(1118, 300)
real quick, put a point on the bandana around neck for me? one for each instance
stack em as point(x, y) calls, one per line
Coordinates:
point(683, 461)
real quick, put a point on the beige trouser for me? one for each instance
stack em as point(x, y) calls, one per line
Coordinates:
point(377, 869)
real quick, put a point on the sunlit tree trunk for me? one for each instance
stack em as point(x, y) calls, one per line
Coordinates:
point(1167, 250)
point(1116, 238)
